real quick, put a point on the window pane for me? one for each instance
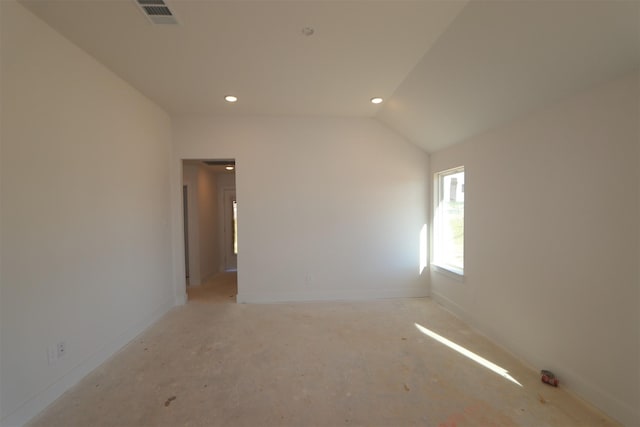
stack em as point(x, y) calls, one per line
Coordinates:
point(235, 227)
point(449, 220)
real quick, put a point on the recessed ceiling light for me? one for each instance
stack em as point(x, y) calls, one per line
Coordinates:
point(376, 100)
point(230, 98)
point(229, 168)
point(308, 31)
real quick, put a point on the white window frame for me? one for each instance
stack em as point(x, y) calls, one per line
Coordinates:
point(437, 263)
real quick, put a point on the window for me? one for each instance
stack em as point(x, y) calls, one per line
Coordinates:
point(448, 245)
point(235, 227)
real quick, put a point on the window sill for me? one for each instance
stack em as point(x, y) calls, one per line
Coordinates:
point(451, 272)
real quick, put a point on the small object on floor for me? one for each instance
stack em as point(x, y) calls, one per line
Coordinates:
point(406, 387)
point(548, 377)
point(541, 399)
point(168, 402)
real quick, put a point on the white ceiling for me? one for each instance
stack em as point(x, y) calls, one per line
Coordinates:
point(447, 69)
point(501, 59)
point(256, 50)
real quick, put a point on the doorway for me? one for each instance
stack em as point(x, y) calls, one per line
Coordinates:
point(209, 210)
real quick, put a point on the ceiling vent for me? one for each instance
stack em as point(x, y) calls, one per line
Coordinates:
point(157, 11)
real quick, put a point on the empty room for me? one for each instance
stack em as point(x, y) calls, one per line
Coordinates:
point(319, 213)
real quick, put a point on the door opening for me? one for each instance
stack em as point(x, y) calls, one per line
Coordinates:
point(210, 215)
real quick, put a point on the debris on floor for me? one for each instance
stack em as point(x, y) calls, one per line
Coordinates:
point(169, 400)
point(548, 377)
point(350, 379)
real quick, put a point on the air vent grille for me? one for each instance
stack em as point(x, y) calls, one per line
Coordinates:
point(157, 11)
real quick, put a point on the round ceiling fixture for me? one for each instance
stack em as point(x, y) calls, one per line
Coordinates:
point(230, 98)
point(308, 31)
point(229, 168)
point(376, 100)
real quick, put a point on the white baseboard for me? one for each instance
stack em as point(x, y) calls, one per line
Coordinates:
point(330, 295)
point(592, 395)
point(451, 306)
point(601, 400)
point(46, 397)
point(181, 299)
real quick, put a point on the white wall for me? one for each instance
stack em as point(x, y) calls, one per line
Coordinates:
point(208, 215)
point(204, 253)
point(2, 90)
point(85, 241)
point(551, 242)
point(226, 182)
point(190, 179)
point(330, 208)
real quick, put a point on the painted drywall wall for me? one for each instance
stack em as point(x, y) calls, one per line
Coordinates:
point(551, 242)
point(226, 183)
point(86, 242)
point(202, 190)
point(190, 179)
point(638, 207)
point(2, 96)
point(208, 217)
point(331, 208)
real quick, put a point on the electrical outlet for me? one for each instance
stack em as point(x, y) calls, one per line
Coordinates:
point(61, 349)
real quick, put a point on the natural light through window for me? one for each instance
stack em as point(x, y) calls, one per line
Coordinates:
point(467, 353)
point(423, 248)
point(448, 243)
point(235, 227)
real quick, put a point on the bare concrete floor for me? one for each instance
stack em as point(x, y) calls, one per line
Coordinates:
point(213, 362)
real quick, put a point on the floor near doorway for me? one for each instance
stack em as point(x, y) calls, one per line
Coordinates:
point(213, 362)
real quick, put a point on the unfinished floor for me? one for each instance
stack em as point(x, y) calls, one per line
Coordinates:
point(213, 362)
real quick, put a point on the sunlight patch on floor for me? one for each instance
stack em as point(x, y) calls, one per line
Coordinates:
point(467, 353)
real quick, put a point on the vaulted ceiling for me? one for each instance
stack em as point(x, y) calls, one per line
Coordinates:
point(446, 69)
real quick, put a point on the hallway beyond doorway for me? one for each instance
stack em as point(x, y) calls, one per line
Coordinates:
point(221, 288)
point(209, 220)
